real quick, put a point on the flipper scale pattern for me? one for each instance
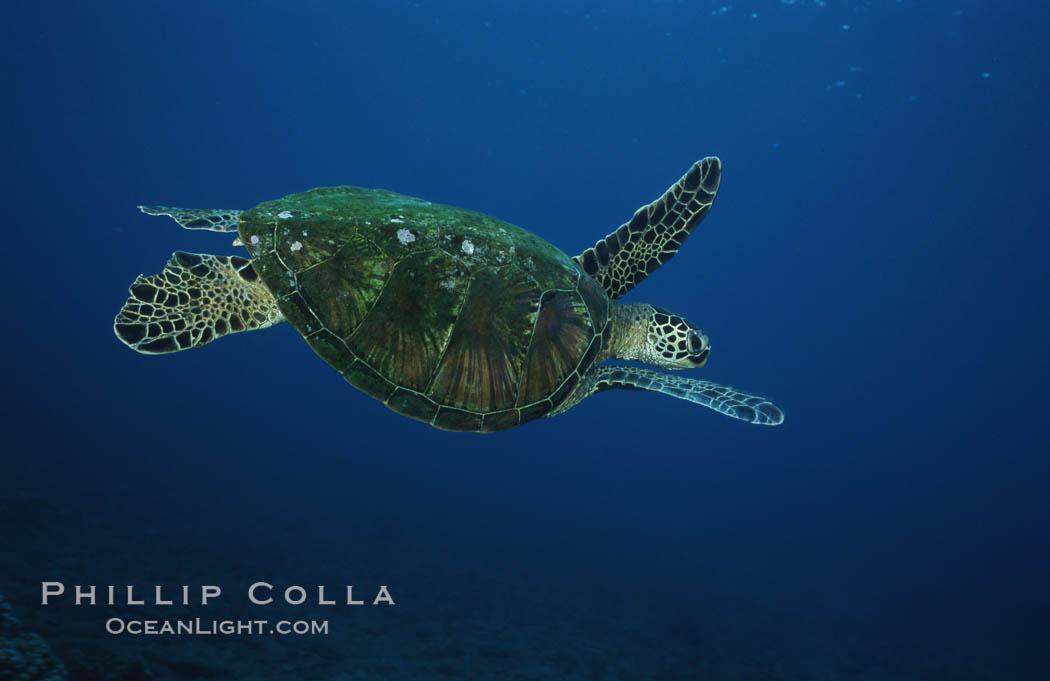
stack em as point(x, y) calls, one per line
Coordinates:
point(724, 399)
point(624, 258)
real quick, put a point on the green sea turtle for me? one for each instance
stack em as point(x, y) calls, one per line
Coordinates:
point(444, 315)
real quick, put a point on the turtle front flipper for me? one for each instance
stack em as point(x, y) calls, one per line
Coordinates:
point(211, 220)
point(196, 299)
point(620, 261)
point(722, 398)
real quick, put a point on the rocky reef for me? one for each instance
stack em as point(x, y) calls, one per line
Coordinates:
point(25, 656)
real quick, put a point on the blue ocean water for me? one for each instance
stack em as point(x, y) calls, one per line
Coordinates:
point(876, 261)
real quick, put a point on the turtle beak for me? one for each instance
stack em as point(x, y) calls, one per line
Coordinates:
point(701, 359)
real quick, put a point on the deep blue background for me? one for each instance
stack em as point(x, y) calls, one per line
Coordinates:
point(876, 261)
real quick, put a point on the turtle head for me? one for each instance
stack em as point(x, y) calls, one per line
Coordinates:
point(672, 342)
point(659, 337)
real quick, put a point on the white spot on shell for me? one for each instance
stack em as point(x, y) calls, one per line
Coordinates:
point(284, 214)
point(397, 219)
point(296, 246)
point(254, 240)
point(405, 236)
point(468, 247)
point(238, 242)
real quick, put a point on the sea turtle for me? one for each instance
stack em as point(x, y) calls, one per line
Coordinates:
point(448, 316)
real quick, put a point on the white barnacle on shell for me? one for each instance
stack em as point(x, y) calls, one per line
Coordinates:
point(284, 214)
point(468, 247)
point(254, 240)
point(398, 219)
point(405, 236)
point(296, 246)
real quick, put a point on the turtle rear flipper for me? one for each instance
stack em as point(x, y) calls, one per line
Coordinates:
point(722, 398)
point(620, 261)
point(196, 299)
point(204, 218)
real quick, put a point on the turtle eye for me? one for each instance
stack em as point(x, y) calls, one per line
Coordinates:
point(695, 345)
